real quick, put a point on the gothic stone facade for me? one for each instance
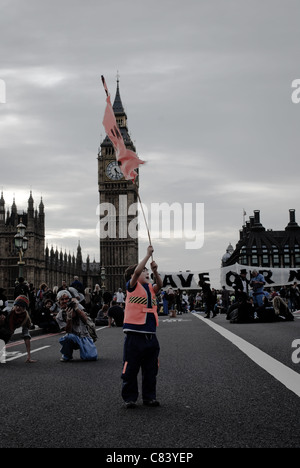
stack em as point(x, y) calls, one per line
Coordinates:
point(41, 264)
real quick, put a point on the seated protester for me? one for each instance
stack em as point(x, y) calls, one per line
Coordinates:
point(18, 317)
point(244, 313)
point(232, 311)
point(265, 312)
point(102, 318)
point(46, 317)
point(281, 310)
point(115, 315)
point(73, 320)
point(40, 295)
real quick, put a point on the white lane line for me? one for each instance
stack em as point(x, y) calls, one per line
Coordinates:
point(37, 338)
point(25, 354)
point(282, 373)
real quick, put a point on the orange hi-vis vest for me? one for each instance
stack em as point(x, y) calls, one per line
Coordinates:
point(136, 309)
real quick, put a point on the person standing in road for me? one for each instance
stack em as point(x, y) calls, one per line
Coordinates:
point(257, 283)
point(225, 299)
point(241, 285)
point(208, 299)
point(21, 288)
point(77, 285)
point(96, 301)
point(141, 347)
point(63, 286)
point(294, 297)
point(120, 297)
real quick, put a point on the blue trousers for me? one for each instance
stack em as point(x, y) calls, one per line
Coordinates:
point(70, 342)
point(258, 299)
point(140, 352)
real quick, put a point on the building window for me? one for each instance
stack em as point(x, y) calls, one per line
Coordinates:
point(243, 256)
point(297, 256)
point(276, 262)
point(286, 256)
point(265, 256)
point(254, 257)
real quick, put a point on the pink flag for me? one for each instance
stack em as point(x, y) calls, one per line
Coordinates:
point(127, 159)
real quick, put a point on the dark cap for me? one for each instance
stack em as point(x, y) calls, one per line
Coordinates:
point(22, 301)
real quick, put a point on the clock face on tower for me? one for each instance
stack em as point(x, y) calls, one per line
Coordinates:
point(113, 171)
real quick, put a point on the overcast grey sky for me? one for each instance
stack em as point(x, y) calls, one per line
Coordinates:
point(207, 90)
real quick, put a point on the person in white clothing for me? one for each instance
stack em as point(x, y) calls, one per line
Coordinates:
point(120, 296)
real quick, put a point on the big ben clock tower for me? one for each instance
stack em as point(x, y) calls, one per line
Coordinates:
point(118, 247)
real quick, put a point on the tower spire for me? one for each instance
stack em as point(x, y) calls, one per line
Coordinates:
point(117, 105)
point(30, 205)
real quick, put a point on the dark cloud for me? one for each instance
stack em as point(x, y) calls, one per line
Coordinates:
point(207, 90)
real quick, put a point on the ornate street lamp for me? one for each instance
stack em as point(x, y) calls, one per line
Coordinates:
point(103, 278)
point(21, 244)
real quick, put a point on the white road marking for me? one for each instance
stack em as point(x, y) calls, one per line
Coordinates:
point(176, 320)
point(282, 373)
point(25, 354)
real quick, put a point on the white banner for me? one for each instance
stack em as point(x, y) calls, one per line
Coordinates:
point(184, 280)
point(217, 278)
point(273, 276)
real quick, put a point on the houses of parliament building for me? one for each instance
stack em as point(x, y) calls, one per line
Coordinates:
point(42, 264)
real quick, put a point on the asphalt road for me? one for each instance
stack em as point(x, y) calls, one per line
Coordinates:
point(212, 393)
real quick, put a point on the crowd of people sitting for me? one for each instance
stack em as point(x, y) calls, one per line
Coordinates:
point(104, 308)
point(239, 306)
point(246, 301)
point(251, 301)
